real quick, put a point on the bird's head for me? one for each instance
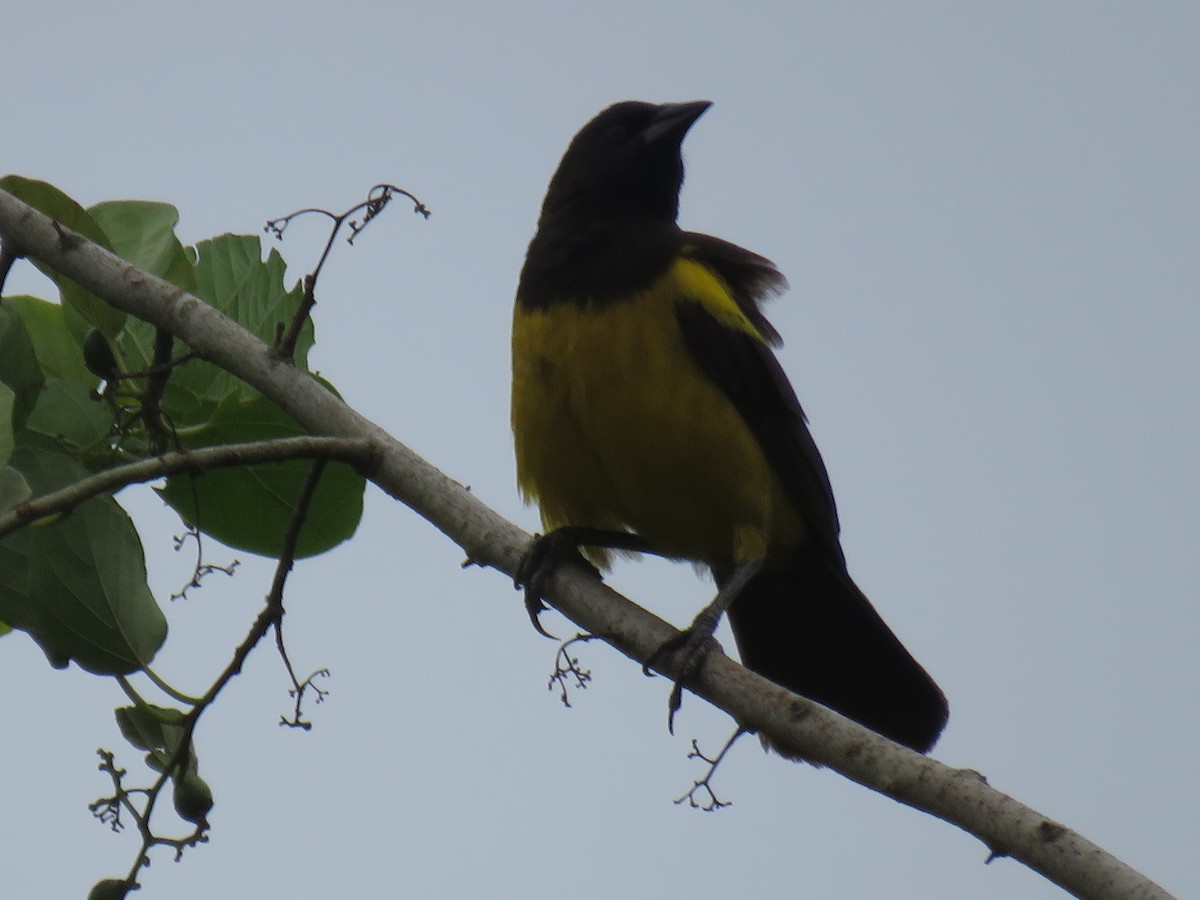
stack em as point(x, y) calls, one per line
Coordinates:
point(625, 163)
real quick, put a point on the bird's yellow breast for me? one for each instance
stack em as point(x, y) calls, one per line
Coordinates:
point(617, 427)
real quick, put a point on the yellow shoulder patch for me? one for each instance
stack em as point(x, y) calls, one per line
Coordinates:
point(693, 281)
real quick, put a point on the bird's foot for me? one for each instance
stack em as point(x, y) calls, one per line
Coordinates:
point(691, 647)
point(545, 554)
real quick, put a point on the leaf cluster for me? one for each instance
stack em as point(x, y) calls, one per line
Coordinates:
point(84, 388)
point(87, 394)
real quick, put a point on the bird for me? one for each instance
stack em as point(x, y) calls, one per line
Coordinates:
point(651, 414)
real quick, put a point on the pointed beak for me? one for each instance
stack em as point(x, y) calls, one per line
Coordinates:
point(672, 120)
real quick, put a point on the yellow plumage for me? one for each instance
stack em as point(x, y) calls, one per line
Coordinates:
point(617, 428)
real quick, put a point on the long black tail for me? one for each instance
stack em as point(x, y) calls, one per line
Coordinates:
point(811, 630)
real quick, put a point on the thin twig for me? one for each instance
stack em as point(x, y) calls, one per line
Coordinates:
point(108, 809)
point(283, 569)
point(160, 369)
point(377, 199)
point(567, 669)
point(357, 451)
point(7, 257)
point(704, 783)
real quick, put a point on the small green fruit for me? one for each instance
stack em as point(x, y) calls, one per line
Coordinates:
point(110, 889)
point(192, 797)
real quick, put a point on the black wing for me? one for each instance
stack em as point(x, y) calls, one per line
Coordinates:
point(748, 373)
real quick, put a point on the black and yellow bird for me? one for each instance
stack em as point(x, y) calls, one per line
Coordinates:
point(650, 413)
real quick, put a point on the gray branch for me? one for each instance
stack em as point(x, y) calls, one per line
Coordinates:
point(352, 450)
point(800, 728)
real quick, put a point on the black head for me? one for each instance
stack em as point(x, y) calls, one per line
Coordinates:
point(624, 164)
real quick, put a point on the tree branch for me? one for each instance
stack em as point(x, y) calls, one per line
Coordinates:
point(801, 728)
point(360, 452)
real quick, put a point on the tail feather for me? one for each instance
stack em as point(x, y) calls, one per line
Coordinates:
point(811, 630)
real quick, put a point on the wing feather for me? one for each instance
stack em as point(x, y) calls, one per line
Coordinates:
point(745, 369)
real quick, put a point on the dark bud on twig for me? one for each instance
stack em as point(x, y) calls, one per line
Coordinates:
point(98, 356)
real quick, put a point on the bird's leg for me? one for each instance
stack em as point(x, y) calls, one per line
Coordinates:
point(695, 642)
point(547, 551)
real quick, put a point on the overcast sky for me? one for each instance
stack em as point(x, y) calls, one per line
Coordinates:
point(990, 218)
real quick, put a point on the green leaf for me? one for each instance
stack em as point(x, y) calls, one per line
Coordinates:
point(78, 586)
point(8, 401)
point(13, 488)
point(18, 359)
point(143, 232)
point(233, 277)
point(54, 203)
point(59, 351)
point(158, 729)
point(62, 413)
point(68, 415)
point(250, 507)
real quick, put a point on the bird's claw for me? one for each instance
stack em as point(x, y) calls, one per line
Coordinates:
point(535, 607)
point(545, 553)
point(693, 646)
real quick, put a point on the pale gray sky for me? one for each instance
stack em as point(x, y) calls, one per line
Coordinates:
point(989, 217)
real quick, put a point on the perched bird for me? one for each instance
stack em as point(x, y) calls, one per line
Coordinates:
point(650, 413)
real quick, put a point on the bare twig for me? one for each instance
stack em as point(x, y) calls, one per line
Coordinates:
point(287, 558)
point(377, 199)
point(108, 809)
point(704, 783)
point(202, 569)
point(160, 374)
point(567, 669)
